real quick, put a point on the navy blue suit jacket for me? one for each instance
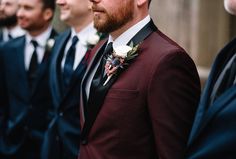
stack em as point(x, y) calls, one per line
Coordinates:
point(63, 135)
point(213, 134)
point(23, 112)
point(1, 36)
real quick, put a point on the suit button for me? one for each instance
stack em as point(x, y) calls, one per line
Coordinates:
point(84, 142)
point(61, 113)
point(57, 138)
point(26, 128)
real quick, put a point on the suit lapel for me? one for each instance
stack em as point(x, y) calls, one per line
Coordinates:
point(204, 113)
point(43, 65)
point(1, 36)
point(55, 69)
point(20, 64)
point(83, 97)
point(93, 106)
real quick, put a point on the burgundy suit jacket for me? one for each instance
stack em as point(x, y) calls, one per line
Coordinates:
point(148, 112)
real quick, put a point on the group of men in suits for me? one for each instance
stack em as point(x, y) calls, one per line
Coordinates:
point(8, 20)
point(133, 96)
point(39, 114)
point(24, 90)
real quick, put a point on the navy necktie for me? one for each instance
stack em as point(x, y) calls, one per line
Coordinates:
point(69, 62)
point(33, 63)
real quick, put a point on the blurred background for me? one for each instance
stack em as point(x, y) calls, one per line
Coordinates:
point(201, 27)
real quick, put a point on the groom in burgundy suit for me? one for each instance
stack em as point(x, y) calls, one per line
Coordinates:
point(137, 101)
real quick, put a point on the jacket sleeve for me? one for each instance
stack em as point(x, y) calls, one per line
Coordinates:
point(3, 94)
point(173, 96)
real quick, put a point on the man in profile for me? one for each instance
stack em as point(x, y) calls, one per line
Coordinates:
point(141, 90)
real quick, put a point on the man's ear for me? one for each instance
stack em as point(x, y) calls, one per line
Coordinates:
point(48, 14)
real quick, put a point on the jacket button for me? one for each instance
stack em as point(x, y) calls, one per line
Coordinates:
point(84, 142)
point(26, 128)
point(57, 138)
point(61, 114)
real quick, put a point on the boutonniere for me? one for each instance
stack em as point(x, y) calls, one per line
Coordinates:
point(49, 44)
point(121, 57)
point(92, 40)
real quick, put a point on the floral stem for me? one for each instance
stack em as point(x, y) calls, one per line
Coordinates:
point(107, 80)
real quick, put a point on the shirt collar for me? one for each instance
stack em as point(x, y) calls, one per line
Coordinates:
point(84, 34)
point(125, 37)
point(15, 31)
point(41, 39)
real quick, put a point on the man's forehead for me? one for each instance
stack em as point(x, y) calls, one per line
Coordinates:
point(8, 1)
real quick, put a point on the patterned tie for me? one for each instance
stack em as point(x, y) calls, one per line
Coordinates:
point(33, 64)
point(69, 62)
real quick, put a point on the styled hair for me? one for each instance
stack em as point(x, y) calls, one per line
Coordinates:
point(149, 2)
point(49, 4)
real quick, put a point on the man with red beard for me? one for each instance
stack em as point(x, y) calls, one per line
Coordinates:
point(140, 92)
point(25, 99)
point(8, 20)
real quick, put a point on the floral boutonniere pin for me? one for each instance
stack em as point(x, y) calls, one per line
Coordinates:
point(92, 40)
point(121, 57)
point(50, 44)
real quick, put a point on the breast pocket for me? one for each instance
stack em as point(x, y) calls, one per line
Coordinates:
point(122, 94)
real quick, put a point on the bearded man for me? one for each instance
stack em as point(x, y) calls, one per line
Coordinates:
point(8, 20)
point(138, 101)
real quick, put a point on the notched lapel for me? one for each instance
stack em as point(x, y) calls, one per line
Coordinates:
point(20, 63)
point(206, 116)
point(43, 66)
point(55, 68)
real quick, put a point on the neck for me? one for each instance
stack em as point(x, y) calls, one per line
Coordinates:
point(115, 34)
point(37, 32)
point(80, 25)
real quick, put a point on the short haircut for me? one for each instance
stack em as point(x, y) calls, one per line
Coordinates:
point(49, 4)
point(149, 1)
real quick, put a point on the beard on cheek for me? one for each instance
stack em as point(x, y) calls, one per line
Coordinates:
point(8, 21)
point(110, 22)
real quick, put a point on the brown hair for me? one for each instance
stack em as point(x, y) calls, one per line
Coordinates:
point(49, 4)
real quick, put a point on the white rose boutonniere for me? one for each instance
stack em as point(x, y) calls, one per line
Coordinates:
point(92, 40)
point(49, 45)
point(121, 57)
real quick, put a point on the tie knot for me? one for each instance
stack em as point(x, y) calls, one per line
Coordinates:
point(9, 36)
point(34, 43)
point(75, 39)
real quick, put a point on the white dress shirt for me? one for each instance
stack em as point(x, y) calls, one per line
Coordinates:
point(14, 32)
point(81, 46)
point(29, 48)
point(123, 39)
